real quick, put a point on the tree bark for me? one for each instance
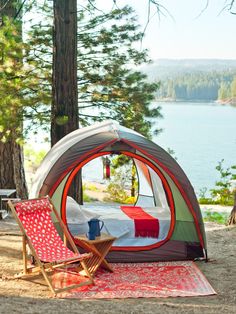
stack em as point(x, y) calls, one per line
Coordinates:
point(7, 167)
point(232, 217)
point(133, 170)
point(64, 115)
point(19, 172)
point(12, 174)
point(64, 88)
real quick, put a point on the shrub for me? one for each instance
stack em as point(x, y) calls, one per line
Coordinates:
point(130, 200)
point(222, 194)
point(117, 193)
point(220, 218)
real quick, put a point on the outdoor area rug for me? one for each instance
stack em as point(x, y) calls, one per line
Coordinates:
point(139, 280)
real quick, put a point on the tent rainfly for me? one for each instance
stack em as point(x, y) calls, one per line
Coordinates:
point(163, 187)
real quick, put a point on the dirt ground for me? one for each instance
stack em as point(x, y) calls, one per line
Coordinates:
point(21, 296)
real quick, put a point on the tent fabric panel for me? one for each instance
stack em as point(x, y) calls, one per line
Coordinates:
point(145, 201)
point(73, 156)
point(158, 190)
point(185, 231)
point(194, 250)
point(202, 228)
point(181, 209)
point(56, 197)
point(62, 146)
point(145, 187)
point(171, 250)
point(169, 163)
point(117, 147)
point(150, 184)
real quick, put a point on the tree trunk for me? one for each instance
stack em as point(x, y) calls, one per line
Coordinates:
point(76, 188)
point(19, 173)
point(12, 173)
point(232, 217)
point(8, 8)
point(133, 170)
point(64, 88)
point(11, 154)
point(64, 116)
point(7, 167)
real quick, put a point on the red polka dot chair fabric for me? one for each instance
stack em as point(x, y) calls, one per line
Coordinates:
point(36, 219)
point(46, 246)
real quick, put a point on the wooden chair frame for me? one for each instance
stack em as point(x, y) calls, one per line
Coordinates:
point(44, 267)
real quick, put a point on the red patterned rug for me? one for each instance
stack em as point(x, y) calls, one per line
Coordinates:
point(142, 280)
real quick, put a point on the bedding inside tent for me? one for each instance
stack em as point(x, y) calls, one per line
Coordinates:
point(116, 222)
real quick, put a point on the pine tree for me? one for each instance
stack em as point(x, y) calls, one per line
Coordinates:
point(108, 82)
point(11, 157)
point(233, 90)
point(24, 92)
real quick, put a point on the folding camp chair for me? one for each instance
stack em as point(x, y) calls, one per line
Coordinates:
point(46, 246)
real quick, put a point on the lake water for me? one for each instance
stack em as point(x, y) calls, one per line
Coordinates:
point(201, 134)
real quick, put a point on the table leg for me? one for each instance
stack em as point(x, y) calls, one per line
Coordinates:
point(104, 249)
point(0, 207)
point(98, 259)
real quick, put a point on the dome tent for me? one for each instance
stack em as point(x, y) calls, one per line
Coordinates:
point(163, 186)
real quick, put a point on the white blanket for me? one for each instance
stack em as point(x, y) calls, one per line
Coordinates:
point(118, 224)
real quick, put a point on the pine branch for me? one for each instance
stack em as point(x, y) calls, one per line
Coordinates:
point(19, 10)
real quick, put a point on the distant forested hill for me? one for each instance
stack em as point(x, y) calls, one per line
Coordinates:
point(194, 79)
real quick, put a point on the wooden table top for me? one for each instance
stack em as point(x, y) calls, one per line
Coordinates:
point(102, 238)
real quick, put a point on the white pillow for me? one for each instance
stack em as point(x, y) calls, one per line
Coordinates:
point(89, 214)
point(76, 214)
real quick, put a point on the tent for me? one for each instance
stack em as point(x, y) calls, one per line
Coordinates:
point(164, 191)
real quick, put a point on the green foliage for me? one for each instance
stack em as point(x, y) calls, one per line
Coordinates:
point(233, 88)
point(123, 180)
point(224, 91)
point(198, 86)
point(130, 200)
point(33, 158)
point(116, 193)
point(61, 120)
point(108, 86)
point(203, 199)
point(90, 187)
point(220, 218)
point(223, 193)
point(22, 89)
point(11, 73)
point(86, 198)
point(112, 88)
point(227, 91)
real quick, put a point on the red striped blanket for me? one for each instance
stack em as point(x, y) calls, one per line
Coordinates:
point(145, 225)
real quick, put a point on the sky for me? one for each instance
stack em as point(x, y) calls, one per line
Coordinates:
point(187, 30)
